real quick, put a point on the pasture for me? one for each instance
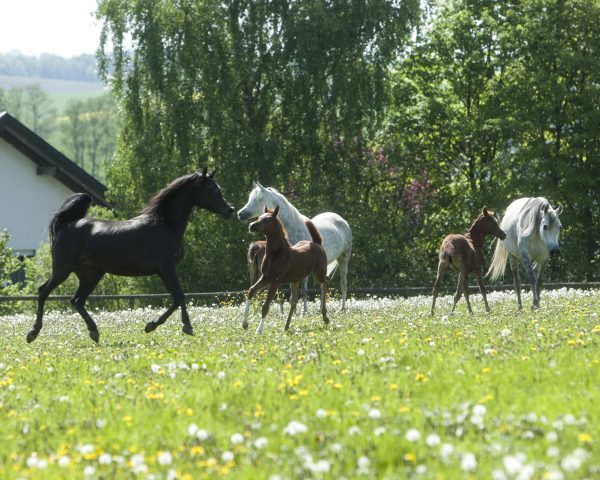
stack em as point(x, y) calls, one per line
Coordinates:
point(384, 391)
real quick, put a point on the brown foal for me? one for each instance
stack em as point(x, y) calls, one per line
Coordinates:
point(465, 254)
point(254, 257)
point(285, 263)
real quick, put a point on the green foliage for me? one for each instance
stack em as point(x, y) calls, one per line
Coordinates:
point(10, 266)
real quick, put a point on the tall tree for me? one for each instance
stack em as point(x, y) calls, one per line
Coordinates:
point(288, 93)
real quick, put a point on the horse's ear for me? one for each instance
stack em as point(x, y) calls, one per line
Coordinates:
point(276, 211)
point(485, 212)
point(214, 172)
point(545, 207)
point(204, 170)
point(558, 210)
point(260, 186)
point(266, 209)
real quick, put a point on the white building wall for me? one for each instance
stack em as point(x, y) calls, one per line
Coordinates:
point(27, 200)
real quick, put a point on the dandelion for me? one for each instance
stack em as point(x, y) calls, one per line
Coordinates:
point(584, 438)
point(379, 431)
point(202, 434)
point(512, 464)
point(164, 458)
point(412, 435)
point(294, 428)
point(197, 450)
point(446, 450)
point(322, 466)
point(261, 442)
point(227, 456)
point(570, 463)
point(552, 436)
point(553, 452)
point(354, 430)
point(374, 413)
point(321, 413)
point(237, 438)
point(155, 368)
point(105, 459)
point(468, 462)
point(64, 461)
point(89, 471)
point(432, 440)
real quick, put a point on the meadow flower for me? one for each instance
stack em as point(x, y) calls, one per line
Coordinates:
point(237, 438)
point(227, 456)
point(468, 462)
point(105, 459)
point(261, 442)
point(100, 423)
point(88, 471)
point(294, 428)
point(432, 440)
point(322, 466)
point(164, 458)
point(412, 435)
point(374, 413)
point(553, 452)
point(552, 436)
point(321, 413)
point(155, 368)
point(379, 431)
point(446, 450)
point(64, 461)
point(354, 430)
point(570, 463)
point(221, 375)
point(363, 465)
point(512, 464)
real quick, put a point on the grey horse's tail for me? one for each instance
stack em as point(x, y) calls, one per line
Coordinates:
point(74, 208)
point(498, 265)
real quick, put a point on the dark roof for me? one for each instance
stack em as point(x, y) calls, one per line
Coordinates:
point(49, 160)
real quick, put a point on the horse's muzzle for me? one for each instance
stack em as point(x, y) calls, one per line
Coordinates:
point(555, 252)
point(230, 211)
point(243, 216)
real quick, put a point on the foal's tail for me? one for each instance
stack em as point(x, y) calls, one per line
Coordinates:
point(74, 208)
point(498, 265)
point(314, 233)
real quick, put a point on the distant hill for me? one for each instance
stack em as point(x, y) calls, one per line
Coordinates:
point(47, 66)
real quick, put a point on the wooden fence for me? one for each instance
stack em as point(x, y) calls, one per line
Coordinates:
point(239, 295)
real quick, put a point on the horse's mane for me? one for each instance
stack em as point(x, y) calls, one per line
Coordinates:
point(158, 204)
point(284, 200)
point(530, 217)
point(74, 208)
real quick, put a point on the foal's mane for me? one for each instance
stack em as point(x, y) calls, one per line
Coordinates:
point(281, 226)
point(157, 206)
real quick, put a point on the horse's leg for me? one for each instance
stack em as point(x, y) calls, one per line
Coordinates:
point(459, 289)
point(265, 308)
point(479, 275)
point(305, 295)
point(538, 274)
point(324, 287)
point(260, 284)
point(438, 281)
point(54, 281)
point(169, 278)
point(293, 302)
point(465, 275)
point(514, 267)
point(528, 264)
point(343, 260)
point(87, 282)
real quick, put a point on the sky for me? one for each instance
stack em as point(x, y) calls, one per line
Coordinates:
point(63, 27)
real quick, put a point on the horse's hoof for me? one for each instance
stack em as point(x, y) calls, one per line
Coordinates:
point(150, 327)
point(188, 330)
point(326, 321)
point(95, 335)
point(32, 335)
point(245, 326)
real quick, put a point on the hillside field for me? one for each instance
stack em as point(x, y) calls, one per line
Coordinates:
point(384, 391)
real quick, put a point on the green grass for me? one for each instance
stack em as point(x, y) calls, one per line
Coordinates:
point(383, 392)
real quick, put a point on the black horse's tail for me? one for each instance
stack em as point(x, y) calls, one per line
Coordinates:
point(74, 208)
point(314, 233)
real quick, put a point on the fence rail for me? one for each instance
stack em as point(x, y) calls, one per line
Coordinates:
point(239, 294)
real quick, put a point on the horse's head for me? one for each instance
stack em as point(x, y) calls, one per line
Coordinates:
point(207, 195)
point(259, 199)
point(550, 228)
point(489, 224)
point(266, 222)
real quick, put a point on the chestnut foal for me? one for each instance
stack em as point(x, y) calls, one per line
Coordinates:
point(284, 263)
point(465, 254)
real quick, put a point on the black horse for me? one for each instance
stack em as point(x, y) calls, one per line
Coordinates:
point(151, 243)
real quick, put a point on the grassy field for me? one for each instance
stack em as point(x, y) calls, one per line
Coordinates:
point(383, 392)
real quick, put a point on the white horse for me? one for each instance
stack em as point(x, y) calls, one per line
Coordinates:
point(336, 233)
point(532, 228)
